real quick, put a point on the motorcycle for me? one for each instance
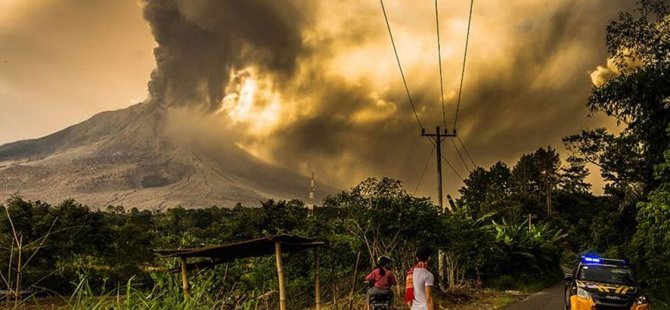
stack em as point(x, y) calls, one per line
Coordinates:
point(381, 302)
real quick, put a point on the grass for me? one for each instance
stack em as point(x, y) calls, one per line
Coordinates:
point(471, 299)
point(206, 293)
point(166, 294)
point(502, 301)
point(659, 305)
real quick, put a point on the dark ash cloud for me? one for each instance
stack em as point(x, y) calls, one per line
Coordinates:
point(201, 41)
point(342, 109)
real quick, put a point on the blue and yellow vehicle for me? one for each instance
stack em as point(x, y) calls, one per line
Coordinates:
point(603, 284)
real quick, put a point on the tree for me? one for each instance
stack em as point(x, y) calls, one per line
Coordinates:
point(21, 237)
point(635, 162)
point(486, 191)
point(536, 175)
point(383, 216)
point(638, 95)
point(572, 177)
point(652, 238)
point(468, 243)
point(620, 158)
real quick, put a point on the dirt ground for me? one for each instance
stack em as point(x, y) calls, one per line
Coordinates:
point(458, 299)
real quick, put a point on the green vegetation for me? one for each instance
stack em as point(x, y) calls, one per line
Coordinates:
point(91, 254)
point(102, 258)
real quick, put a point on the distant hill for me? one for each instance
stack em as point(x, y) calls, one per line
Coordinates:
point(125, 157)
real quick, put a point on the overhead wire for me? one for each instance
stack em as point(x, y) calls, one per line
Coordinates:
point(402, 74)
point(460, 156)
point(466, 151)
point(448, 163)
point(460, 90)
point(439, 61)
point(465, 57)
point(453, 169)
point(423, 173)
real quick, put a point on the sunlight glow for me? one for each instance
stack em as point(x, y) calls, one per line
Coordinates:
point(253, 104)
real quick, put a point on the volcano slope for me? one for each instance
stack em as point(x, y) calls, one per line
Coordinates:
point(128, 157)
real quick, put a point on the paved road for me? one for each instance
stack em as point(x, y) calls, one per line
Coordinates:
point(549, 299)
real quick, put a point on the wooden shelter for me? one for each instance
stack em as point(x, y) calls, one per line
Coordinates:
point(276, 245)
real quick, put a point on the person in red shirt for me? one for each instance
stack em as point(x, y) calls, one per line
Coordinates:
point(381, 279)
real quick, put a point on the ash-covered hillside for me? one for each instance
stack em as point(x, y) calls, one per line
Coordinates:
point(131, 157)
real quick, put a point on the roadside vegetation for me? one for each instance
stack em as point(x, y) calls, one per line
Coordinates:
point(511, 229)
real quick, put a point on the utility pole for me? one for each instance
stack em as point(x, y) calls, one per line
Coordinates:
point(310, 201)
point(438, 137)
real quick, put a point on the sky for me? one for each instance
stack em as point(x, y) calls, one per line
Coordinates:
point(314, 86)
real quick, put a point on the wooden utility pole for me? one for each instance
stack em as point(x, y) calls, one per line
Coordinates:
point(438, 137)
point(310, 200)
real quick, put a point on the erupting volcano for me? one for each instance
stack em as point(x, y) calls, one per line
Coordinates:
point(156, 154)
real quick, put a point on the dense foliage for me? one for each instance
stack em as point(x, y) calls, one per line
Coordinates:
point(106, 248)
point(513, 224)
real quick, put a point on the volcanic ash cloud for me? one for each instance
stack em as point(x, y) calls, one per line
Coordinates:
point(201, 41)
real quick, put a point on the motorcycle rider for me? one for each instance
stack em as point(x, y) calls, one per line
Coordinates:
point(381, 280)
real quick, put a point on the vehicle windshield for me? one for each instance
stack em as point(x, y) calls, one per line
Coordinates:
point(607, 274)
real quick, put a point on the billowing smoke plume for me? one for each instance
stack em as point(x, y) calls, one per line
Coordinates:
point(325, 95)
point(201, 41)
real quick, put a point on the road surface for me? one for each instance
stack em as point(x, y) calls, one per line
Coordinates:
point(549, 299)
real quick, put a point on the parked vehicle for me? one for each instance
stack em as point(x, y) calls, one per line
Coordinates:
point(604, 283)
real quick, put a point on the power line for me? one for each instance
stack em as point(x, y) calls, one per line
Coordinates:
point(465, 164)
point(449, 164)
point(453, 169)
point(438, 137)
point(402, 74)
point(465, 56)
point(439, 61)
point(424, 170)
point(466, 151)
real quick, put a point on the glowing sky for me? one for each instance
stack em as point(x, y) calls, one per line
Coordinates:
point(343, 112)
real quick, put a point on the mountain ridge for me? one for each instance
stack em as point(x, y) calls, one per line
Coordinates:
point(127, 157)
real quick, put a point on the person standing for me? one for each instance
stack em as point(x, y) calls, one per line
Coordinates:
point(418, 295)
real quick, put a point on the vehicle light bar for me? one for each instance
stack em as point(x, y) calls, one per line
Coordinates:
point(608, 261)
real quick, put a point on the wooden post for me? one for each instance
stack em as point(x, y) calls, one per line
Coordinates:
point(332, 279)
point(280, 275)
point(317, 285)
point(353, 282)
point(184, 277)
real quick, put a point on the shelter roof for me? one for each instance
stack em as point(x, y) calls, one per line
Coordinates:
point(249, 248)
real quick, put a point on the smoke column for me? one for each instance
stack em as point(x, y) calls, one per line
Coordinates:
point(201, 41)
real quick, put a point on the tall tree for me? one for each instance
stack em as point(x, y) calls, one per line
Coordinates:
point(651, 241)
point(536, 175)
point(382, 215)
point(572, 177)
point(637, 95)
point(486, 191)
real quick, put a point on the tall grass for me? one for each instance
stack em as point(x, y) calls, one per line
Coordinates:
point(165, 294)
